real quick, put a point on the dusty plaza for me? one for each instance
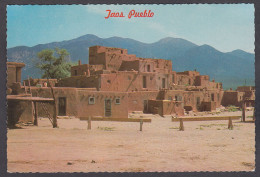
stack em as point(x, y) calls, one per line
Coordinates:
point(121, 147)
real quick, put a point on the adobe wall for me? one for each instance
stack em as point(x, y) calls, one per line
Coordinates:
point(165, 107)
point(110, 57)
point(245, 88)
point(129, 65)
point(136, 100)
point(173, 78)
point(19, 111)
point(208, 106)
point(202, 80)
point(85, 69)
point(232, 98)
point(69, 93)
point(159, 81)
point(127, 81)
point(11, 75)
point(80, 82)
point(184, 80)
point(97, 109)
point(193, 99)
point(14, 72)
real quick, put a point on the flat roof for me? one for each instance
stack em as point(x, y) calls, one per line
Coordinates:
point(22, 98)
point(16, 64)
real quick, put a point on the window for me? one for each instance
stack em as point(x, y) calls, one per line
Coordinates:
point(212, 97)
point(198, 100)
point(75, 72)
point(91, 100)
point(173, 79)
point(163, 82)
point(178, 98)
point(144, 82)
point(117, 100)
point(148, 68)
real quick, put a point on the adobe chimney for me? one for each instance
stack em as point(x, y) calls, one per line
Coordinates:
point(79, 62)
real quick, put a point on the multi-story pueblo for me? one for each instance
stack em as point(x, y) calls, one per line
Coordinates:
point(116, 83)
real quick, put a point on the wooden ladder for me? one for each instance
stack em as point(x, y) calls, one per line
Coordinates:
point(47, 112)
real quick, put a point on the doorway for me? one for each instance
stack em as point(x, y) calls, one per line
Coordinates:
point(62, 106)
point(108, 112)
point(163, 82)
point(145, 110)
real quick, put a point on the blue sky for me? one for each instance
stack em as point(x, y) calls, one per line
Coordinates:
point(225, 27)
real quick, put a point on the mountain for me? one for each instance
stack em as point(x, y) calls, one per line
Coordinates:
point(231, 68)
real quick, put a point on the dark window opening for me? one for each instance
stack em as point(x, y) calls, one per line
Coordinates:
point(163, 82)
point(117, 100)
point(198, 100)
point(91, 100)
point(178, 98)
point(75, 72)
point(144, 82)
point(212, 97)
point(148, 68)
point(198, 103)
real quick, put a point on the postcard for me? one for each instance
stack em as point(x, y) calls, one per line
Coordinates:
point(130, 88)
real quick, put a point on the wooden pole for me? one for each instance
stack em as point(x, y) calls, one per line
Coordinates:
point(243, 111)
point(25, 89)
point(254, 114)
point(141, 124)
point(181, 125)
point(35, 114)
point(230, 124)
point(89, 123)
point(55, 124)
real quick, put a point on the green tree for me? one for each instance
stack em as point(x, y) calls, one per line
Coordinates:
point(54, 63)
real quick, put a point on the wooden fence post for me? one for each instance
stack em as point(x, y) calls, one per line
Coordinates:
point(89, 123)
point(35, 114)
point(141, 124)
point(243, 111)
point(230, 124)
point(254, 114)
point(181, 125)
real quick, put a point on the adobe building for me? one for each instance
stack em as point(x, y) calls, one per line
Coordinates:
point(150, 84)
point(14, 72)
point(116, 83)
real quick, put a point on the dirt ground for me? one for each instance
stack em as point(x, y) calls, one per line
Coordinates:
point(121, 147)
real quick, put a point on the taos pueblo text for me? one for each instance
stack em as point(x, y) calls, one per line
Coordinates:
point(131, 14)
